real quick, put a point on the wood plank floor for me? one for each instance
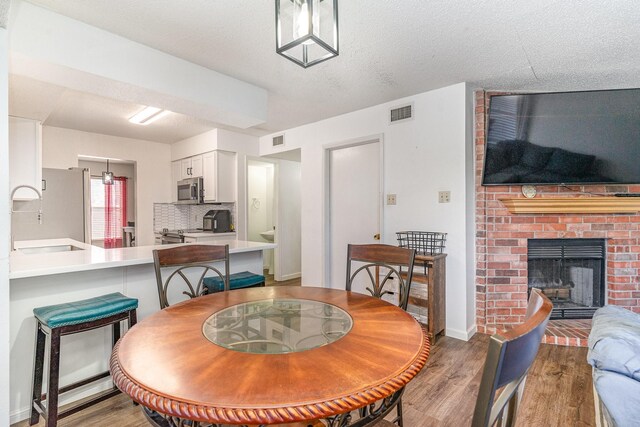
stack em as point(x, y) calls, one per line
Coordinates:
point(558, 391)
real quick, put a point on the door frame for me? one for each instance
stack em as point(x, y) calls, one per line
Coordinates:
point(326, 194)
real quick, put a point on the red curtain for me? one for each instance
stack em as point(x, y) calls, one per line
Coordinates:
point(115, 211)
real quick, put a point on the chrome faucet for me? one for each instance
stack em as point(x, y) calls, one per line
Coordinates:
point(39, 211)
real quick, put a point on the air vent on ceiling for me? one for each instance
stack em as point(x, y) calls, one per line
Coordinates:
point(401, 113)
point(278, 140)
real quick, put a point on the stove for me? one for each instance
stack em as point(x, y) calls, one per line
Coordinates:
point(170, 237)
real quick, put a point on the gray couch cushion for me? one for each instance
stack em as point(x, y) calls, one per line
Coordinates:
point(620, 395)
point(614, 341)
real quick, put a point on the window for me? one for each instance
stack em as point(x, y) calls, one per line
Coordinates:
point(108, 211)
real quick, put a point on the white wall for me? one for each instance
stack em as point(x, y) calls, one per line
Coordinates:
point(260, 197)
point(288, 189)
point(422, 156)
point(61, 148)
point(4, 232)
point(470, 184)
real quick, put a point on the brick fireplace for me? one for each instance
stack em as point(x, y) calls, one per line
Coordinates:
point(502, 239)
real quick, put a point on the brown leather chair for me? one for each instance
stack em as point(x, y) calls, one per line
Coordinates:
point(386, 260)
point(199, 258)
point(511, 354)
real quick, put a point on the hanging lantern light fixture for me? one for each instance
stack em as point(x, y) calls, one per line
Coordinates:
point(107, 177)
point(307, 30)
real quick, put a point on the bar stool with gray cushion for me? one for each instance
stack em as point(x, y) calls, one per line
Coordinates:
point(66, 319)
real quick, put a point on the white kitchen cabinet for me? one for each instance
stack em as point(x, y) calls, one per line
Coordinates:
point(208, 237)
point(191, 167)
point(219, 176)
point(25, 156)
point(196, 166)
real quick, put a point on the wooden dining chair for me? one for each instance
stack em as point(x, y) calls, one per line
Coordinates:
point(511, 354)
point(381, 264)
point(201, 261)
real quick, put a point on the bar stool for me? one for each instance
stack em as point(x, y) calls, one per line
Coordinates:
point(65, 319)
point(241, 280)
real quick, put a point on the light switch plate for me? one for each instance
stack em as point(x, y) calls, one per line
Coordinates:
point(391, 199)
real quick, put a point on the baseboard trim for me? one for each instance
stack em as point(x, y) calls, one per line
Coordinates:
point(291, 276)
point(462, 335)
point(70, 397)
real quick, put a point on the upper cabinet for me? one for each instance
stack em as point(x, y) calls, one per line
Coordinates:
point(191, 167)
point(25, 156)
point(218, 172)
point(219, 176)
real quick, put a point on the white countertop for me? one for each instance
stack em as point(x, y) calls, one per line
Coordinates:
point(95, 258)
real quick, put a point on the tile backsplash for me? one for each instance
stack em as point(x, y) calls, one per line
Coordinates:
point(182, 217)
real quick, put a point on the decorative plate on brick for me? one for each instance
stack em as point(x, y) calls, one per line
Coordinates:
point(529, 191)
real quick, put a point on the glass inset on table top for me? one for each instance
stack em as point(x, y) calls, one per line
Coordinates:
point(277, 326)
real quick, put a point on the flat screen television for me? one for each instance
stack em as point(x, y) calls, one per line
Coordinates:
point(563, 138)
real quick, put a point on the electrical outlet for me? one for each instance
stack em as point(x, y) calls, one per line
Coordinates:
point(391, 199)
point(444, 196)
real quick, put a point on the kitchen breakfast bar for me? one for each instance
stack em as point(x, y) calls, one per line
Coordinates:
point(57, 271)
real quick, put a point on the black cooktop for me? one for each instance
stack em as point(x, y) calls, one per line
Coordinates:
point(166, 231)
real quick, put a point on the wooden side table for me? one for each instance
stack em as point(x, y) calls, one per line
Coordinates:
point(430, 274)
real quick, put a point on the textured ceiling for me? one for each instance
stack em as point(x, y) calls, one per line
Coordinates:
point(387, 49)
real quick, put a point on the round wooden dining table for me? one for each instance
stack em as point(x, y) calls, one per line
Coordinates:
point(269, 355)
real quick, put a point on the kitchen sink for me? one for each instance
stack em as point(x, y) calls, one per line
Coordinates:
point(49, 249)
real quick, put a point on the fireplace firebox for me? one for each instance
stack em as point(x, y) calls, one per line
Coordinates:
point(570, 272)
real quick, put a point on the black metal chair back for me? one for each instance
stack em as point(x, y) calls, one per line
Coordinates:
point(511, 354)
point(185, 258)
point(384, 261)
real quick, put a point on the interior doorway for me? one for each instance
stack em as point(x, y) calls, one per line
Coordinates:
point(261, 218)
point(354, 213)
point(274, 190)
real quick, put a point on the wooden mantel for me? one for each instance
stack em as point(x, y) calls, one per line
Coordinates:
point(573, 205)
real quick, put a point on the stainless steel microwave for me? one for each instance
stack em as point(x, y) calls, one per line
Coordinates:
point(190, 191)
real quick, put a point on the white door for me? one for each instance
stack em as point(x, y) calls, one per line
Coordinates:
point(355, 204)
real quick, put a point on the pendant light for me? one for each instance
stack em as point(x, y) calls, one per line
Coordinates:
point(307, 30)
point(107, 177)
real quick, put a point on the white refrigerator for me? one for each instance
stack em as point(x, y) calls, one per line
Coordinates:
point(66, 208)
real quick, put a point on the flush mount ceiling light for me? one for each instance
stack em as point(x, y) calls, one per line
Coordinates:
point(107, 177)
point(148, 115)
point(307, 30)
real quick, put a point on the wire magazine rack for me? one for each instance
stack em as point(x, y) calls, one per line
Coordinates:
point(424, 242)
